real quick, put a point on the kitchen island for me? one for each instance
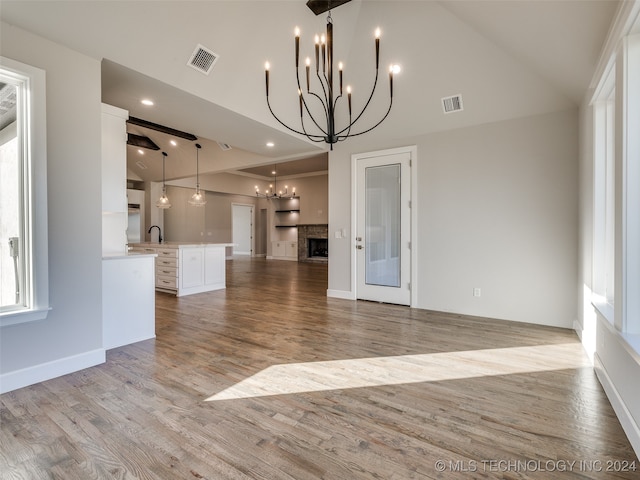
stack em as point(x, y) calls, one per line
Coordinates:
point(187, 268)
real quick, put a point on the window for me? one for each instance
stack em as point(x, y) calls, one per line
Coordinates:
point(604, 202)
point(630, 202)
point(23, 192)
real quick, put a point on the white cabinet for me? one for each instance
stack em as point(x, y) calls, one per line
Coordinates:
point(214, 267)
point(114, 180)
point(187, 269)
point(278, 249)
point(128, 300)
point(191, 267)
point(284, 250)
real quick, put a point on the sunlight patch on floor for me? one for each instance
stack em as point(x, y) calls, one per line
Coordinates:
point(371, 372)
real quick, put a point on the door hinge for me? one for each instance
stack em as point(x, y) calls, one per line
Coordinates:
point(409, 286)
point(409, 245)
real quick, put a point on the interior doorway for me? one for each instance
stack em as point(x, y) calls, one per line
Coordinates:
point(242, 229)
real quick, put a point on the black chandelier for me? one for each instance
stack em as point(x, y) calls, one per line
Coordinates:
point(273, 192)
point(331, 133)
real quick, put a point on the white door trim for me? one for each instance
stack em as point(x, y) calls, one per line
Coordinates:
point(413, 151)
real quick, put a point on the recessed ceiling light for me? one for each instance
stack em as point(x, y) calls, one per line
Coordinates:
point(147, 102)
point(173, 142)
point(270, 144)
point(140, 151)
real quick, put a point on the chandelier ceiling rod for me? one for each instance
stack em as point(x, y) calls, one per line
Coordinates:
point(324, 60)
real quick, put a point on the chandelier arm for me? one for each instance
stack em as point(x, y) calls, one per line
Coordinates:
point(309, 92)
point(312, 137)
point(335, 102)
point(324, 90)
point(344, 137)
point(304, 102)
point(292, 129)
point(373, 90)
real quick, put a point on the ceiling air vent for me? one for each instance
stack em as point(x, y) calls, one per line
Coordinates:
point(224, 146)
point(452, 104)
point(141, 165)
point(203, 59)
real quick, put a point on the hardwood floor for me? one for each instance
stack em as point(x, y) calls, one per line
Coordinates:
point(270, 379)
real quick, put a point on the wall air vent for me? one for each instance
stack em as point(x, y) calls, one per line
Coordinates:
point(452, 104)
point(224, 146)
point(203, 59)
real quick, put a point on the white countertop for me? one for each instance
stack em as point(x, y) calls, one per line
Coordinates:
point(180, 244)
point(115, 256)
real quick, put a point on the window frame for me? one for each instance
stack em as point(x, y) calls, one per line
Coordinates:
point(32, 137)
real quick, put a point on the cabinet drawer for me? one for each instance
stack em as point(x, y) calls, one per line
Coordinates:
point(166, 262)
point(166, 282)
point(145, 249)
point(167, 252)
point(166, 271)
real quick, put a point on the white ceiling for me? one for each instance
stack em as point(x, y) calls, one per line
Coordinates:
point(508, 59)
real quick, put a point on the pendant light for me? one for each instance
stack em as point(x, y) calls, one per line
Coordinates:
point(163, 201)
point(197, 199)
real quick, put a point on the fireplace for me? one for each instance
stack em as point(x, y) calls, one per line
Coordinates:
point(313, 243)
point(317, 247)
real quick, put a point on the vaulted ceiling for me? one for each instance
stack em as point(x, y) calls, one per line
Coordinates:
point(507, 59)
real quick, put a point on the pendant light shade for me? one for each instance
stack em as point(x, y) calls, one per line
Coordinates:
point(163, 201)
point(197, 199)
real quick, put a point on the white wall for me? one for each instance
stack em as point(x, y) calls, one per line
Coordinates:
point(497, 210)
point(71, 336)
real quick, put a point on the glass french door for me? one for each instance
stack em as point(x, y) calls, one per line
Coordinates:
point(383, 250)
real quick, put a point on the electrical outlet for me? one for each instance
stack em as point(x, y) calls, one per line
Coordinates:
point(477, 292)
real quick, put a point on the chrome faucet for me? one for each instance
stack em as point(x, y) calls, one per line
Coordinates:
point(159, 232)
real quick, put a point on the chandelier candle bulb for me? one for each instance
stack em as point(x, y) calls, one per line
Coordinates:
point(300, 97)
point(340, 70)
point(323, 41)
point(308, 65)
point(377, 47)
point(349, 99)
point(391, 80)
point(266, 76)
point(297, 31)
point(317, 53)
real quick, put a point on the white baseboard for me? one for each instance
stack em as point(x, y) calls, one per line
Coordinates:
point(46, 371)
point(629, 425)
point(344, 294)
point(578, 329)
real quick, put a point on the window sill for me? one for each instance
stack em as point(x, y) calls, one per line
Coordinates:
point(604, 308)
point(23, 316)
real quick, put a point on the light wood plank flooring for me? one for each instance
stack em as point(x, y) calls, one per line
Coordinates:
point(270, 379)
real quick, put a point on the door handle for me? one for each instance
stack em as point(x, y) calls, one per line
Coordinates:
point(359, 247)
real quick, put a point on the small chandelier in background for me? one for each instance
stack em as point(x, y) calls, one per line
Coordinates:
point(163, 201)
point(273, 192)
point(197, 199)
point(331, 133)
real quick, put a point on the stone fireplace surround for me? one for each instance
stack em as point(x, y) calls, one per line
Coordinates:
point(311, 231)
